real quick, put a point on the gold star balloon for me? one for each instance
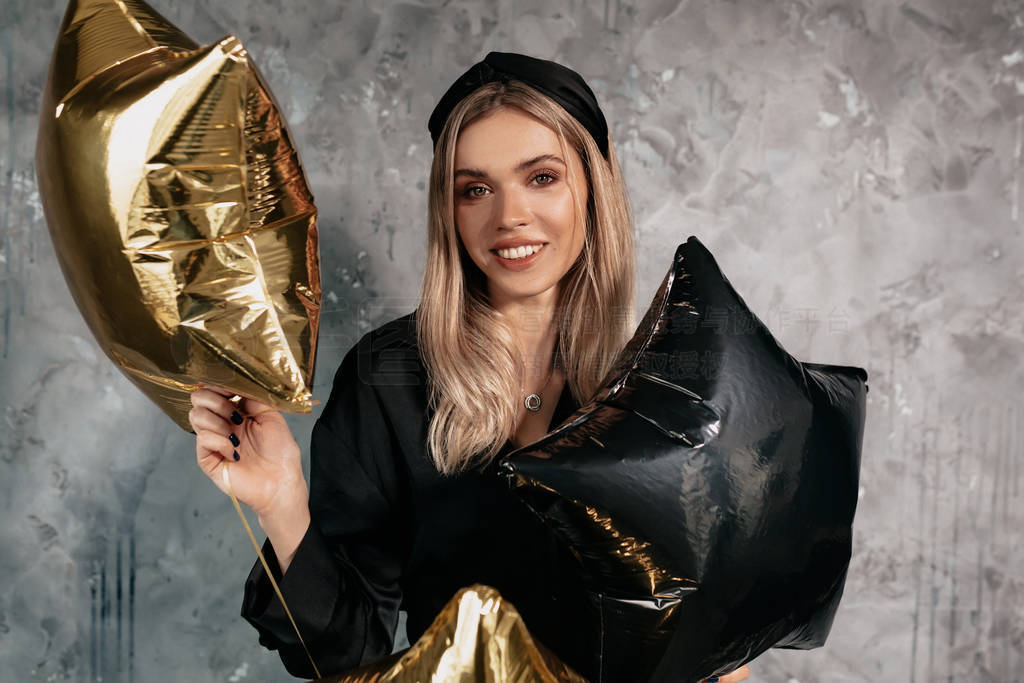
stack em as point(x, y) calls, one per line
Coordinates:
point(178, 209)
point(478, 636)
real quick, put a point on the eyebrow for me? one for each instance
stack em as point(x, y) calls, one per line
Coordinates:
point(522, 166)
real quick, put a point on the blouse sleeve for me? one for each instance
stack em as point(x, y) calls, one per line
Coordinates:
point(343, 584)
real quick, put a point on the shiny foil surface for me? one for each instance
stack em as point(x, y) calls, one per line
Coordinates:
point(708, 490)
point(178, 209)
point(478, 636)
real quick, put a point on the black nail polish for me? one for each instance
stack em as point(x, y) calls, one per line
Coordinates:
point(236, 417)
point(234, 440)
point(713, 679)
point(237, 456)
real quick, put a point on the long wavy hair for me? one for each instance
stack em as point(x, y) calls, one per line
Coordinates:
point(474, 366)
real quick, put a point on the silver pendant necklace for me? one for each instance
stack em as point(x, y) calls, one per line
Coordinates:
point(533, 401)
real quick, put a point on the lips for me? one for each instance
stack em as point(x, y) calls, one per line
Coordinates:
point(513, 253)
point(517, 242)
point(515, 261)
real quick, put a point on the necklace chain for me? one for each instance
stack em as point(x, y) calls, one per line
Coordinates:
point(533, 401)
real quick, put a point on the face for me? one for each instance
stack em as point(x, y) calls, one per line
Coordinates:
point(514, 206)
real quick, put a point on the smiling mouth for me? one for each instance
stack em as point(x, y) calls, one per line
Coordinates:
point(518, 253)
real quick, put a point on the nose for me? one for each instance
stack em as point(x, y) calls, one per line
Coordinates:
point(513, 209)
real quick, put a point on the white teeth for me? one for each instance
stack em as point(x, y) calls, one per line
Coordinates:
point(519, 252)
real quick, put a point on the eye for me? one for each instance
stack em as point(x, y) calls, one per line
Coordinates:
point(544, 178)
point(475, 192)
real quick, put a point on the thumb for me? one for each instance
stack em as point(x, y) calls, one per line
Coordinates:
point(251, 406)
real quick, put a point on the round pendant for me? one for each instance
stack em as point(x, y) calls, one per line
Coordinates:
point(533, 403)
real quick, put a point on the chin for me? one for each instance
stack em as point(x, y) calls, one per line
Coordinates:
point(522, 290)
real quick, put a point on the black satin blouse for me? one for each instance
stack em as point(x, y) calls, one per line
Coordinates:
point(389, 532)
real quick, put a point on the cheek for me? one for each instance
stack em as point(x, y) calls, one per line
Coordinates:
point(573, 226)
point(462, 228)
point(468, 221)
point(468, 232)
point(561, 215)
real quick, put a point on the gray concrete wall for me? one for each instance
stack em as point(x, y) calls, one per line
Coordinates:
point(855, 166)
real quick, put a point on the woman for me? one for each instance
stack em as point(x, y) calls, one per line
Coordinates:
point(525, 302)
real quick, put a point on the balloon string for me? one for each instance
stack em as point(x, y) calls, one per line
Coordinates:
point(266, 567)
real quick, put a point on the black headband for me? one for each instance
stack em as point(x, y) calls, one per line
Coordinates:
point(563, 85)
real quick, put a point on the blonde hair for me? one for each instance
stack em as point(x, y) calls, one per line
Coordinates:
point(473, 363)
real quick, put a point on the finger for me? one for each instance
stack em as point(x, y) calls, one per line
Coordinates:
point(217, 402)
point(739, 674)
point(211, 448)
point(251, 406)
point(205, 419)
point(245, 406)
point(210, 463)
point(218, 390)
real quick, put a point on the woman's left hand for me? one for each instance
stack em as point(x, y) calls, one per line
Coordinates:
point(739, 674)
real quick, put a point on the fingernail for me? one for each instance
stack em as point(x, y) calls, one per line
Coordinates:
point(234, 440)
point(713, 679)
point(237, 456)
point(236, 417)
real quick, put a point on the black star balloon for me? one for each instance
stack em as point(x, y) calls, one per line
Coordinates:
point(707, 491)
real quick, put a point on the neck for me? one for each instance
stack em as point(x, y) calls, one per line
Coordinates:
point(532, 321)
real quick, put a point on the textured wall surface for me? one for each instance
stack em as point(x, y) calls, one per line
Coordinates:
point(854, 165)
